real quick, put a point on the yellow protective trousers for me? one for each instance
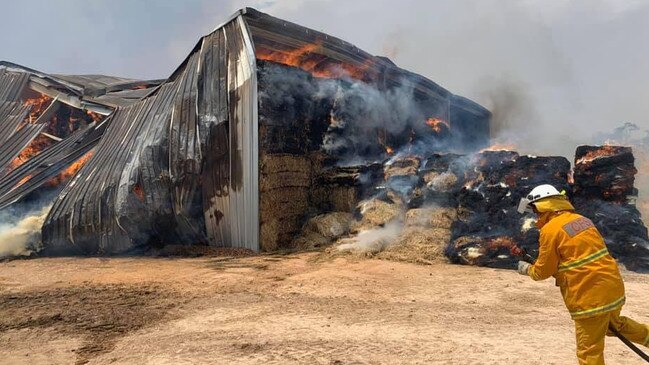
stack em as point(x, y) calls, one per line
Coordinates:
point(592, 330)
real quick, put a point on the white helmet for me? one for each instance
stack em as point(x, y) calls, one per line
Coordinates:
point(538, 193)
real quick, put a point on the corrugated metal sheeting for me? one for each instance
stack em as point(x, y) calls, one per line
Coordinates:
point(179, 166)
point(16, 134)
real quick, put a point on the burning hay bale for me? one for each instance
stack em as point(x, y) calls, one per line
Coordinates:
point(407, 166)
point(339, 188)
point(487, 216)
point(443, 176)
point(604, 192)
point(606, 172)
point(483, 251)
point(401, 176)
point(622, 228)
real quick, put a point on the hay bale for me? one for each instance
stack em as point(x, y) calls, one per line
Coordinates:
point(444, 182)
point(330, 225)
point(430, 176)
point(269, 232)
point(432, 217)
point(418, 245)
point(376, 212)
point(282, 180)
point(274, 163)
point(419, 217)
point(308, 240)
point(282, 202)
point(443, 218)
point(405, 166)
point(343, 198)
point(335, 198)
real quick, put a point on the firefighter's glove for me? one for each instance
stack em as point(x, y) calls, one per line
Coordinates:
point(523, 267)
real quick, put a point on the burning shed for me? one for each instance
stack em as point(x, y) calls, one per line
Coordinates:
point(235, 148)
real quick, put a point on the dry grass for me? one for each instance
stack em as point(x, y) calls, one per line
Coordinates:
point(417, 245)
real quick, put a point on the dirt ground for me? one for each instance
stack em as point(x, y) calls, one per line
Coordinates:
point(285, 309)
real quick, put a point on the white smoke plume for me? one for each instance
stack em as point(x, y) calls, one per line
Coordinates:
point(22, 237)
point(372, 240)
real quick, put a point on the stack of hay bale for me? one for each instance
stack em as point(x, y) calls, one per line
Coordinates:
point(604, 192)
point(284, 184)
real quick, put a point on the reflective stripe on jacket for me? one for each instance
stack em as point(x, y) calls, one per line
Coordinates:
point(572, 250)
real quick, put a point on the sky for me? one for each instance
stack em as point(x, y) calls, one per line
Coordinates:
point(554, 72)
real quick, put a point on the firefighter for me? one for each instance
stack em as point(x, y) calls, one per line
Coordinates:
point(573, 251)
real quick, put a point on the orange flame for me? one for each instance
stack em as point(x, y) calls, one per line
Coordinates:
point(309, 58)
point(381, 136)
point(34, 148)
point(604, 151)
point(438, 125)
point(499, 147)
point(38, 106)
point(503, 241)
point(95, 116)
point(23, 180)
point(70, 171)
point(139, 193)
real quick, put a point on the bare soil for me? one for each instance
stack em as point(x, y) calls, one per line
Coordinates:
point(303, 308)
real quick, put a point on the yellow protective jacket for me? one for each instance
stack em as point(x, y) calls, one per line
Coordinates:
point(572, 250)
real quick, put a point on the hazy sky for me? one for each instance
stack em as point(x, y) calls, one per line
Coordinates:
point(559, 70)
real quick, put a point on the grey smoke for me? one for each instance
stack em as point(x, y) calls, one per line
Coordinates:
point(578, 63)
point(372, 240)
point(20, 236)
point(555, 72)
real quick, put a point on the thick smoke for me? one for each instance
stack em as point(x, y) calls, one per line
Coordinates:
point(20, 236)
point(554, 64)
point(555, 74)
point(363, 122)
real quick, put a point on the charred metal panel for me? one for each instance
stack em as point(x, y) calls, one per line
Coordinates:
point(12, 84)
point(470, 123)
point(185, 155)
point(214, 130)
point(11, 115)
point(121, 198)
point(168, 161)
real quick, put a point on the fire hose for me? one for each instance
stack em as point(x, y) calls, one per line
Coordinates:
point(522, 254)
